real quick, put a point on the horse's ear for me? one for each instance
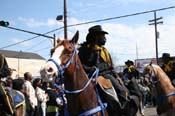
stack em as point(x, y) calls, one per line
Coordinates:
point(75, 38)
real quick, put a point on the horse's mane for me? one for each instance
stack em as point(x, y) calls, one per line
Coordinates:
point(153, 65)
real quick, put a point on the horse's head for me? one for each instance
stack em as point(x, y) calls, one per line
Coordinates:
point(153, 72)
point(61, 57)
point(147, 69)
point(4, 69)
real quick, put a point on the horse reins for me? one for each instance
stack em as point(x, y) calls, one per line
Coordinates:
point(164, 97)
point(61, 70)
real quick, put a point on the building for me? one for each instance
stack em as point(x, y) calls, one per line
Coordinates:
point(23, 62)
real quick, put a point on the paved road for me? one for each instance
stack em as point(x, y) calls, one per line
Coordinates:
point(150, 111)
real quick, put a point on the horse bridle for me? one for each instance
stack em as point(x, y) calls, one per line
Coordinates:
point(159, 98)
point(61, 70)
point(152, 75)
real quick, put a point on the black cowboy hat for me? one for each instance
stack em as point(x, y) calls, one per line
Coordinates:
point(165, 55)
point(129, 62)
point(97, 29)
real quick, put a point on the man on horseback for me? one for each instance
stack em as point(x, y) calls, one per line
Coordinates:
point(93, 53)
point(168, 66)
point(130, 74)
point(131, 70)
point(6, 106)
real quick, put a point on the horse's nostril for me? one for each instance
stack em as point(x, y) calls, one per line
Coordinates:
point(50, 69)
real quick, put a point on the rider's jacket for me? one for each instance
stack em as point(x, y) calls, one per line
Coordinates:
point(131, 71)
point(94, 55)
point(169, 69)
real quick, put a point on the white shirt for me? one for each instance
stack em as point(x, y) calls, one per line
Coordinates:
point(31, 92)
point(41, 95)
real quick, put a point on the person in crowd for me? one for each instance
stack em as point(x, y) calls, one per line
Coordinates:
point(41, 95)
point(31, 99)
point(130, 74)
point(144, 88)
point(19, 98)
point(52, 106)
point(93, 53)
point(168, 66)
point(130, 70)
point(9, 82)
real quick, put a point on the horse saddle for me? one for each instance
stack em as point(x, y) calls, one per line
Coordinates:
point(107, 87)
point(105, 83)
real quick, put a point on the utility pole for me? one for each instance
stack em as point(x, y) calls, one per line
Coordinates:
point(54, 40)
point(65, 20)
point(154, 22)
point(136, 52)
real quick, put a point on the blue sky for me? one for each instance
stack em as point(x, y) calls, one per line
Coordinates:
point(124, 33)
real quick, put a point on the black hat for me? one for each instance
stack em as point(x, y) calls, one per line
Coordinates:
point(165, 55)
point(97, 28)
point(129, 62)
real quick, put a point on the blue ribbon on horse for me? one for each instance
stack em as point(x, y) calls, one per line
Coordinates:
point(161, 99)
point(62, 68)
point(91, 111)
point(94, 110)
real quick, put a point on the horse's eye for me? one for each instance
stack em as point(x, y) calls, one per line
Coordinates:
point(67, 52)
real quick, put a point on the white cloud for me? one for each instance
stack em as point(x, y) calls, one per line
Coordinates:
point(33, 23)
point(139, 1)
point(122, 38)
point(167, 35)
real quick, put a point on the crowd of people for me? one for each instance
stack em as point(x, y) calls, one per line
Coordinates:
point(43, 99)
point(37, 98)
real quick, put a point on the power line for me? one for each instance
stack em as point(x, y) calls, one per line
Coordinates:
point(30, 38)
point(42, 49)
point(94, 21)
point(35, 45)
point(106, 19)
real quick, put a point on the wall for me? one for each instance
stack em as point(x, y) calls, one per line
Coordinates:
point(25, 65)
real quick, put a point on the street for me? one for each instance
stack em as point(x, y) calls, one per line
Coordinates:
point(150, 111)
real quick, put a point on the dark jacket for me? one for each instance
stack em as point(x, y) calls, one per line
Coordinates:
point(91, 56)
point(169, 69)
point(130, 72)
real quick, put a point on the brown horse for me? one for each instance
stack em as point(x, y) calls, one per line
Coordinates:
point(7, 102)
point(165, 91)
point(81, 95)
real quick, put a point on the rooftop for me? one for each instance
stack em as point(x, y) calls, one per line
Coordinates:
point(20, 54)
